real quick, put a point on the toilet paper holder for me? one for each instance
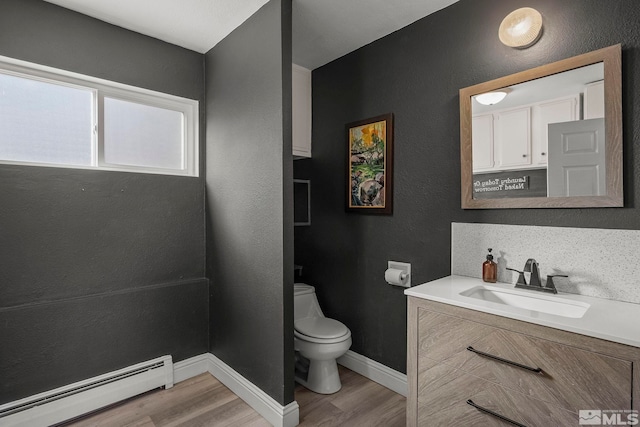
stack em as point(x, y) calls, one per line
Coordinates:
point(398, 274)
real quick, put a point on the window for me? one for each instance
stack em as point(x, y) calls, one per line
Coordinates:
point(51, 117)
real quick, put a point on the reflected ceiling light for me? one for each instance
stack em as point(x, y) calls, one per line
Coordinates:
point(491, 98)
point(521, 28)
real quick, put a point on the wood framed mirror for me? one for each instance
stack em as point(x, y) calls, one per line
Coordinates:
point(554, 141)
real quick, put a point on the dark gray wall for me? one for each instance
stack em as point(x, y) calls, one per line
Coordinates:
point(98, 270)
point(416, 73)
point(249, 200)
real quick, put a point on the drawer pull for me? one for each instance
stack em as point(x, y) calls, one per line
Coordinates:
point(495, 414)
point(491, 356)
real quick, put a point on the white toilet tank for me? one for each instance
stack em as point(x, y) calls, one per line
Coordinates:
point(305, 303)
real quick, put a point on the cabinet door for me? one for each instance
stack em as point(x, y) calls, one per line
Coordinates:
point(482, 142)
point(594, 100)
point(301, 111)
point(513, 134)
point(557, 111)
point(447, 396)
point(570, 378)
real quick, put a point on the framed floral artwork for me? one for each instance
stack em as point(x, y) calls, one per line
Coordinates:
point(370, 165)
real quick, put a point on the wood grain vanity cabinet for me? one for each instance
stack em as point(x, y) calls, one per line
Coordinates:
point(530, 374)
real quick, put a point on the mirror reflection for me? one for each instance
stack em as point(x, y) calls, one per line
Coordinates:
point(541, 138)
point(540, 141)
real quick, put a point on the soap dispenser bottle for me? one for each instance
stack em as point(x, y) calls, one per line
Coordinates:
point(489, 269)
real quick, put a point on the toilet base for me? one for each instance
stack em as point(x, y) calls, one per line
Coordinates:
point(322, 370)
point(322, 377)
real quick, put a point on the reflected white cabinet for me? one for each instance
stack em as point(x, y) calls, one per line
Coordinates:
point(513, 137)
point(594, 100)
point(301, 111)
point(517, 138)
point(482, 130)
point(556, 111)
point(502, 140)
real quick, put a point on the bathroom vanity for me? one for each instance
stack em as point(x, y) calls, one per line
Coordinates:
point(476, 361)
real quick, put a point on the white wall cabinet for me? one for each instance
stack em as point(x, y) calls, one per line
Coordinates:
point(517, 138)
point(556, 111)
point(482, 148)
point(513, 138)
point(594, 100)
point(301, 111)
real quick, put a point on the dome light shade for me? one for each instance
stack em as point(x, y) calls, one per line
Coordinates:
point(521, 28)
point(491, 98)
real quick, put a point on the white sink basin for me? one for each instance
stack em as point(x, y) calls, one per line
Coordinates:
point(528, 300)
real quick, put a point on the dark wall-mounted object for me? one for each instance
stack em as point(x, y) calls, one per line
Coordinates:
point(301, 202)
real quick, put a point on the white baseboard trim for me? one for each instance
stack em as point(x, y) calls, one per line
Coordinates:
point(375, 371)
point(276, 414)
point(69, 407)
point(265, 405)
point(189, 368)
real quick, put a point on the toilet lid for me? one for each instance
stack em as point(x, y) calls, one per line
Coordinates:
point(321, 327)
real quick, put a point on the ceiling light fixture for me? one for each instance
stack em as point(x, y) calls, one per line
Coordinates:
point(521, 28)
point(491, 98)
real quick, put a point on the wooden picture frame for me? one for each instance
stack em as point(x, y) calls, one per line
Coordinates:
point(370, 165)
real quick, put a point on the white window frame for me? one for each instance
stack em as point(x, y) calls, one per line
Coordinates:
point(104, 88)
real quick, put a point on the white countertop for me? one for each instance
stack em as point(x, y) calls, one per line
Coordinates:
point(607, 319)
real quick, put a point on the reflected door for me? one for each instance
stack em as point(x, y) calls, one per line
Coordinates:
point(577, 159)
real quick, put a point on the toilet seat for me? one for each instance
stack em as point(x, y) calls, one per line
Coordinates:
point(321, 330)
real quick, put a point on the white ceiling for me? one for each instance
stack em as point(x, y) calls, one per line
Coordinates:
point(323, 30)
point(556, 86)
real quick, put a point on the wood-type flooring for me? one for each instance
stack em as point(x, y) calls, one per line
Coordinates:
point(204, 401)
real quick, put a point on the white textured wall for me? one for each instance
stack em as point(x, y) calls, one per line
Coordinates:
point(600, 263)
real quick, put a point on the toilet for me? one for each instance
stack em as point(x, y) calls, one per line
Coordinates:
point(318, 342)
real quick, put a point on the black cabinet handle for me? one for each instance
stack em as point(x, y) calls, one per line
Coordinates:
point(495, 414)
point(500, 359)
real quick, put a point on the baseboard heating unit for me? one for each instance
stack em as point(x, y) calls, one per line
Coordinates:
point(76, 399)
